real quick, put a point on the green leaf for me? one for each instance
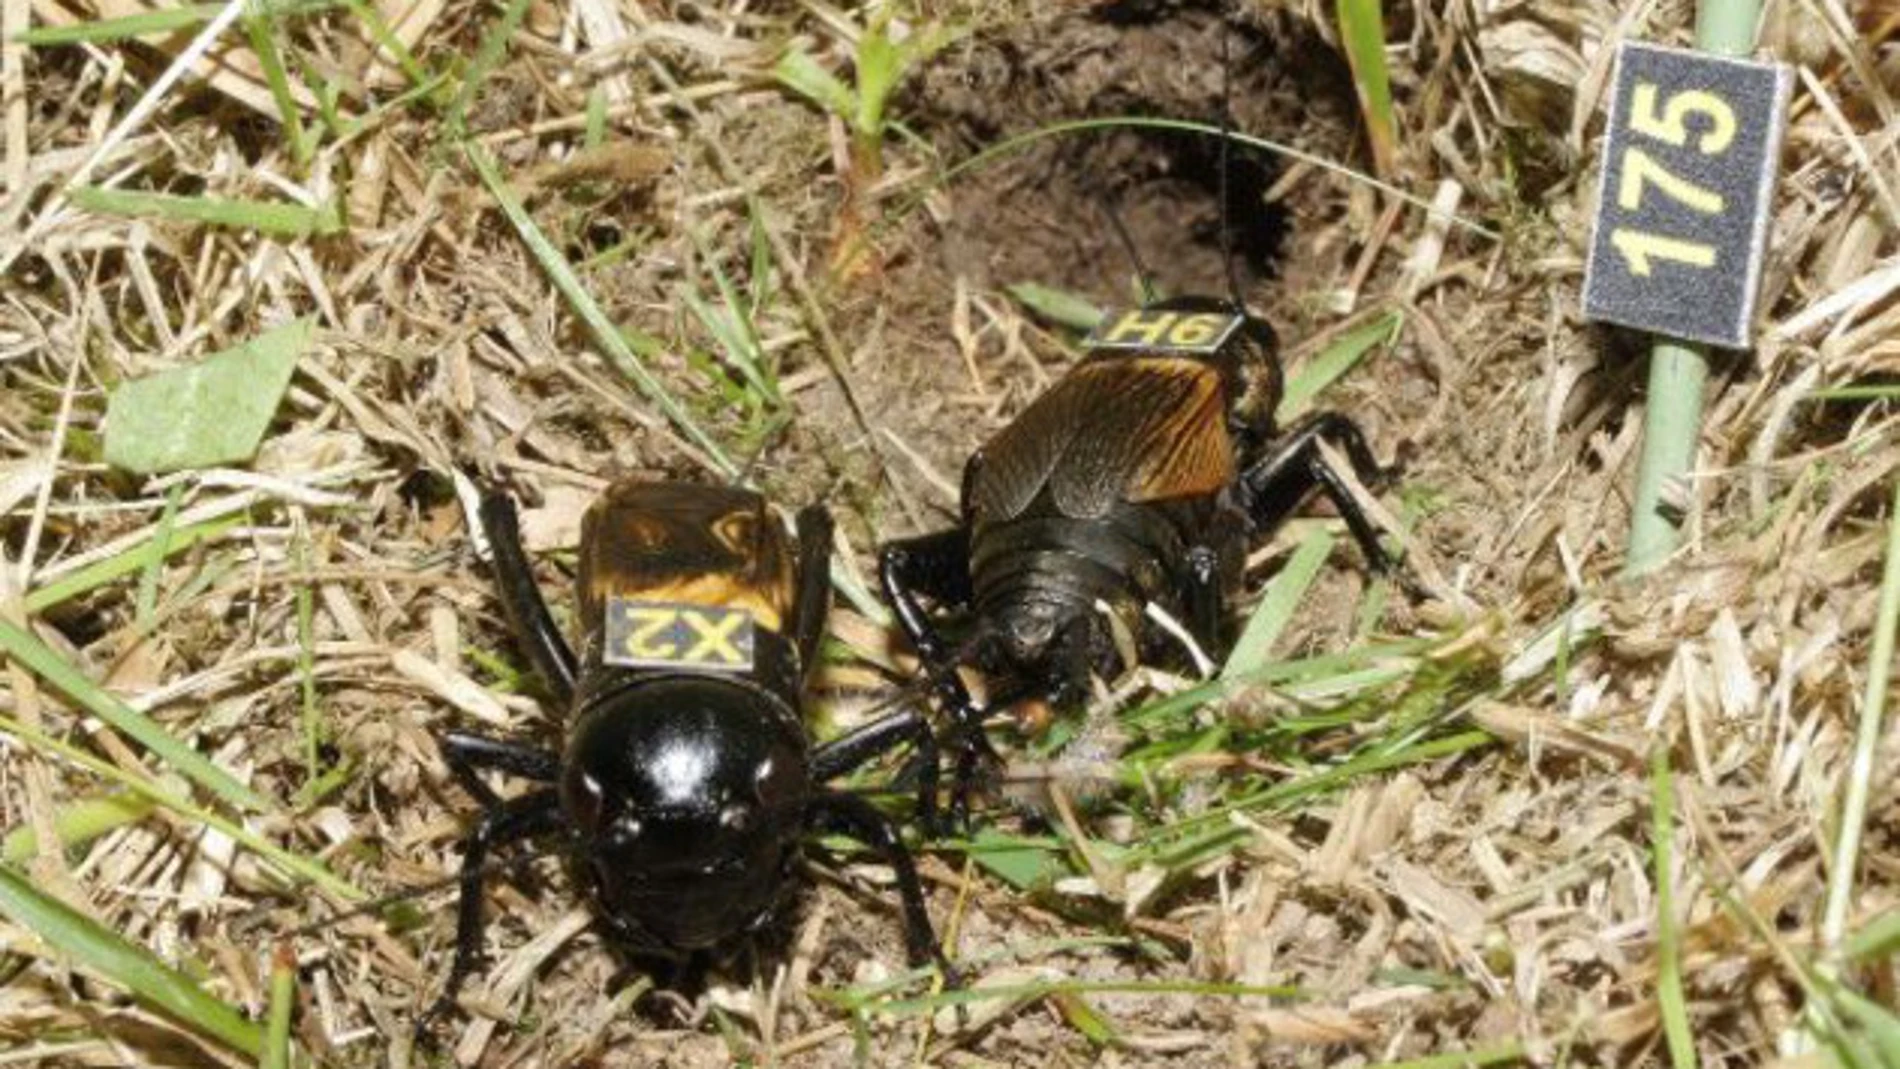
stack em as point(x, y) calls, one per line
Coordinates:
point(38, 658)
point(132, 967)
point(800, 73)
point(1879, 936)
point(1868, 1026)
point(214, 412)
point(1333, 362)
point(1086, 1019)
point(277, 220)
point(1057, 306)
point(880, 64)
point(1023, 865)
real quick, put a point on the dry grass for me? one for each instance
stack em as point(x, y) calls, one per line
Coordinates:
point(1447, 846)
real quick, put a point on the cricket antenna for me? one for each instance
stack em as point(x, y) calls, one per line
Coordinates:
point(1226, 123)
point(1128, 245)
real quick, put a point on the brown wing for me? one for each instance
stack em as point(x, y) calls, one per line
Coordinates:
point(685, 544)
point(1140, 429)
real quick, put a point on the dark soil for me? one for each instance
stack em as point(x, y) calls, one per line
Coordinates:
point(1039, 216)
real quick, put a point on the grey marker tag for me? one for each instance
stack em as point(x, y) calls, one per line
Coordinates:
point(1690, 159)
point(1153, 330)
point(659, 634)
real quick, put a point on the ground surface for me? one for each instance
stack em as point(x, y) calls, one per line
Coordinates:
point(1443, 842)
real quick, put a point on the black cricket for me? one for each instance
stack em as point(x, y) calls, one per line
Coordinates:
point(1138, 480)
point(687, 779)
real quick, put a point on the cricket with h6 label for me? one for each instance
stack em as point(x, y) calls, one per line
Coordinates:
point(1121, 502)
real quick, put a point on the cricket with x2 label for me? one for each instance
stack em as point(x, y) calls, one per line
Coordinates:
point(687, 778)
point(1122, 501)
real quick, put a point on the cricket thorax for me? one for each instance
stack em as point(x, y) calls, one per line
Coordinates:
point(682, 577)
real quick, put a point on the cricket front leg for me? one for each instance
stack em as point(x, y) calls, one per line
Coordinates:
point(853, 817)
point(521, 599)
point(1277, 485)
point(528, 816)
point(937, 566)
point(870, 741)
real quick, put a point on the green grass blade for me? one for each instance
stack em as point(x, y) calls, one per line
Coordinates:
point(294, 865)
point(159, 23)
point(913, 1007)
point(1669, 998)
point(1877, 937)
point(800, 73)
point(1317, 678)
point(387, 40)
point(596, 130)
point(277, 77)
point(1086, 1019)
point(162, 22)
point(156, 552)
point(1879, 1029)
point(1333, 363)
point(1204, 831)
point(880, 64)
point(610, 338)
point(283, 997)
point(731, 326)
point(1362, 31)
point(40, 659)
point(487, 58)
point(1276, 606)
point(1861, 392)
point(855, 996)
point(1873, 704)
point(77, 824)
point(1462, 1059)
point(747, 347)
point(761, 256)
point(102, 951)
point(93, 576)
point(277, 220)
point(1057, 306)
point(1023, 864)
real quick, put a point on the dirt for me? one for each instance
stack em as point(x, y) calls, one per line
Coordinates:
point(1503, 895)
point(1038, 216)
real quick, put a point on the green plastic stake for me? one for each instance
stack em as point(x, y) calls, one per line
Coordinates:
point(1678, 372)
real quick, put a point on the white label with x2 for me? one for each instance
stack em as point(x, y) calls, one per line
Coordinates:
point(653, 634)
point(1690, 159)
